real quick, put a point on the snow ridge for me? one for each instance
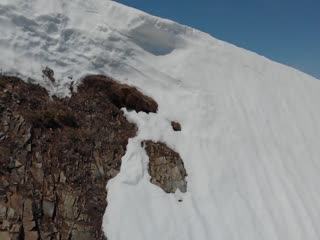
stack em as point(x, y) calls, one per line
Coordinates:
point(62, 34)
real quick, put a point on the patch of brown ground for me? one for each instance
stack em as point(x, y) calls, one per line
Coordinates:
point(121, 95)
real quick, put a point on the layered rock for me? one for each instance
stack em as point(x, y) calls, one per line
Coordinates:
point(166, 167)
point(57, 155)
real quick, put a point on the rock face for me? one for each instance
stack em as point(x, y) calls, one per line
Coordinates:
point(166, 167)
point(57, 155)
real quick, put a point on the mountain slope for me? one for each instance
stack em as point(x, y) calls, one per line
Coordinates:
point(250, 128)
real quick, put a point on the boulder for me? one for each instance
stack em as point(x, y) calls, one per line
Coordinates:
point(166, 167)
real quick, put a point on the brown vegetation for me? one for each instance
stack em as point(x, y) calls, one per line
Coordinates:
point(121, 95)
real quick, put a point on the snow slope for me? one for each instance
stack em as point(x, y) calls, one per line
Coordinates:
point(250, 127)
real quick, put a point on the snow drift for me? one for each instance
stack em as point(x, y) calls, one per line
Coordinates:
point(250, 126)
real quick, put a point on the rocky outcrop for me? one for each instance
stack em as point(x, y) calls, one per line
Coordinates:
point(176, 126)
point(57, 155)
point(166, 167)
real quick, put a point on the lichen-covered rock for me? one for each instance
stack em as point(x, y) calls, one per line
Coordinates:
point(166, 167)
point(57, 155)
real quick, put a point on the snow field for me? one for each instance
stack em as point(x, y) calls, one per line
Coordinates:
point(250, 127)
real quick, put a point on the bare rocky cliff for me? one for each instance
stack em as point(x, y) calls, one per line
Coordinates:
point(57, 155)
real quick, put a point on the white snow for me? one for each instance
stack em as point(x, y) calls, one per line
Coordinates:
point(250, 127)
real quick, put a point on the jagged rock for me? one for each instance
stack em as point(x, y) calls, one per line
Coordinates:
point(57, 155)
point(166, 167)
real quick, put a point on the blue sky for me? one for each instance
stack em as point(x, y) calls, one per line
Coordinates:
point(287, 31)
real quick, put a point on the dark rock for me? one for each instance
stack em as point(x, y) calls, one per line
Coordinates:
point(176, 126)
point(166, 167)
point(49, 73)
